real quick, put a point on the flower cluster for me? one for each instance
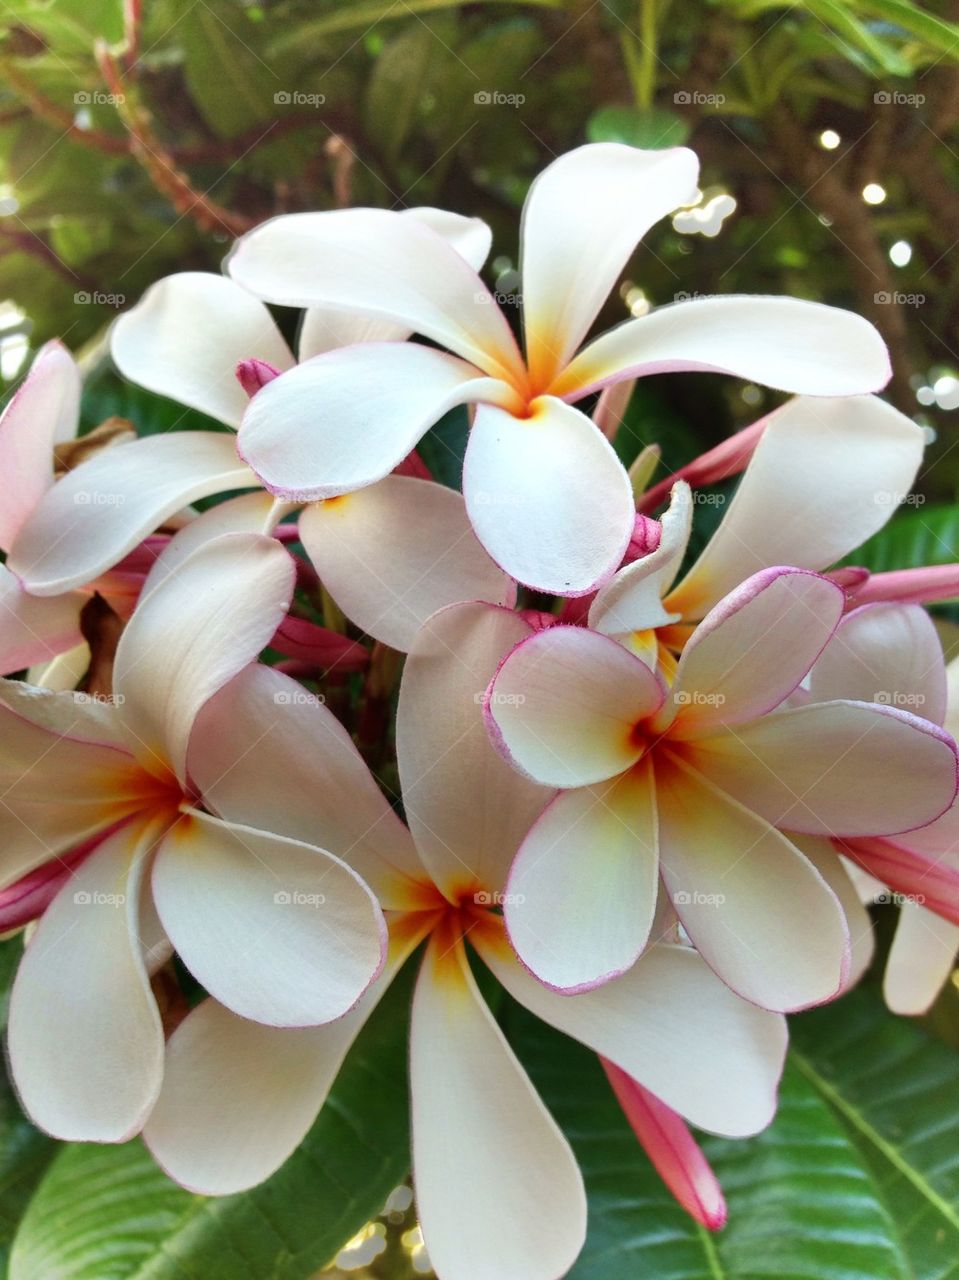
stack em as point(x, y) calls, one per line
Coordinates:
point(650, 792)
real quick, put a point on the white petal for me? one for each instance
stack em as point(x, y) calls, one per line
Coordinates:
point(583, 218)
point(653, 1023)
point(86, 1045)
point(102, 509)
point(825, 476)
point(266, 753)
point(786, 343)
point(249, 513)
point(548, 497)
point(380, 264)
point(191, 635)
point(922, 956)
point(185, 337)
point(565, 704)
point(346, 419)
point(498, 1191)
point(395, 552)
point(467, 808)
point(834, 870)
point(43, 411)
point(277, 930)
point(35, 628)
point(582, 892)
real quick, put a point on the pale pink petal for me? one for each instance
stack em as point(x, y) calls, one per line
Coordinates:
point(190, 636)
point(826, 474)
point(86, 1045)
point(345, 419)
point(582, 892)
point(266, 753)
point(834, 768)
point(922, 956)
point(467, 808)
point(886, 653)
point(498, 1190)
point(583, 217)
point(752, 649)
point(277, 930)
point(674, 1152)
point(393, 553)
point(792, 345)
point(35, 628)
point(632, 599)
point(548, 497)
point(101, 510)
point(824, 856)
point(384, 265)
point(185, 337)
point(653, 1023)
point(746, 897)
point(43, 411)
point(565, 704)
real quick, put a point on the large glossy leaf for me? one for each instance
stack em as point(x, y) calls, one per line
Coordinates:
point(107, 1213)
point(802, 1202)
point(895, 1089)
point(915, 536)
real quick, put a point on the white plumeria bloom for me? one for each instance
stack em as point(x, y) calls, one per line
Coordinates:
point(890, 653)
point(545, 492)
point(390, 557)
point(826, 474)
point(105, 789)
point(498, 1190)
point(696, 783)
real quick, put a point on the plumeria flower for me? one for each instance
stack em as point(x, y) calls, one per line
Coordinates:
point(102, 826)
point(545, 492)
point(498, 1190)
point(38, 429)
point(823, 475)
point(389, 556)
point(890, 653)
point(697, 781)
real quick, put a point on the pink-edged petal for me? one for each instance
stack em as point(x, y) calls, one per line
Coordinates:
point(653, 1023)
point(185, 337)
point(191, 635)
point(238, 1097)
point(674, 1152)
point(565, 704)
point(86, 1044)
point(266, 753)
point(101, 510)
point(548, 497)
point(632, 599)
point(824, 856)
point(278, 930)
point(747, 897)
point(921, 958)
point(393, 553)
point(384, 265)
point(582, 892)
point(467, 808)
point(834, 768)
point(35, 628)
point(345, 419)
point(42, 412)
point(583, 217)
point(752, 650)
point(249, 513)
point(792, 345)
point(483, 1139)
point(324, 329)
point(886, 653)
point(930, 879)
point(826, 474)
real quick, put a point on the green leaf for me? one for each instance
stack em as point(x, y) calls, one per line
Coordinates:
point(895, 1089)
point(396, 87)
point(232, 85)
point(652, 128)
point(943, 36)
point(369, 13)
point(801, 1200)
point(849, 28)
point(923, 535)
point(25, 1154)
point(108, 1213)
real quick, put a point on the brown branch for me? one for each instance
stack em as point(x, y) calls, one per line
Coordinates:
point(30, 243)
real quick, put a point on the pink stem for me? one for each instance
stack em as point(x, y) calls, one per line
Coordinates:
point(926, 878)
point(727, 459)
point(309, 642)
point(910, 586)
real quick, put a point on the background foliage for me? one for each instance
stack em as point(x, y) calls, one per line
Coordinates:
point(138, 140)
